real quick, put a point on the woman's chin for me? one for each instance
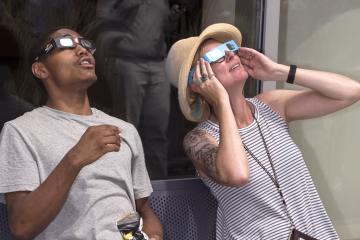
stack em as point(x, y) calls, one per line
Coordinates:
point(241, 76)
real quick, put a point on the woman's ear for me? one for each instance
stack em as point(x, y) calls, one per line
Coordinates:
point(39, 70)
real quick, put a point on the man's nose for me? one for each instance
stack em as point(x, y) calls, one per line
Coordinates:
point(80, 50)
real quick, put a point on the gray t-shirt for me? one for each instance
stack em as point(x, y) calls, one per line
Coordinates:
point(32, 145)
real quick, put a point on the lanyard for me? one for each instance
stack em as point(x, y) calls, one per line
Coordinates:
point(274, 178)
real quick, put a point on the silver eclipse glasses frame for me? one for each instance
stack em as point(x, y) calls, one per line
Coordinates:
point(66, 42)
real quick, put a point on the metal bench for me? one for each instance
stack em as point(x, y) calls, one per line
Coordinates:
point(4, 226)
point(185, 207)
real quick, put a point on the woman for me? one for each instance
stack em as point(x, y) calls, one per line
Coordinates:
point(259, 177)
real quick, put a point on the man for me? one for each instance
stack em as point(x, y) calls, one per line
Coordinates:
point(132, 53)
point(70, 171)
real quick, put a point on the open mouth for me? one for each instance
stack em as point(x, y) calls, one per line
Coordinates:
point(86, 62)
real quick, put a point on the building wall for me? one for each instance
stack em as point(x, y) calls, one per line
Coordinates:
point(324, 35)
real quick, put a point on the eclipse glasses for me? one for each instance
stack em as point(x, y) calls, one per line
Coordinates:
point(216, 55)
point(66, 42)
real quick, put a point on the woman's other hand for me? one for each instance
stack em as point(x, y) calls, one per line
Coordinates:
point(259, 66)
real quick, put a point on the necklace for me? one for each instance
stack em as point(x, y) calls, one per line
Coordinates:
point(274, 178)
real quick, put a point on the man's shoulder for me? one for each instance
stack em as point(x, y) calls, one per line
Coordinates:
point(24, 126)
point(27, 119)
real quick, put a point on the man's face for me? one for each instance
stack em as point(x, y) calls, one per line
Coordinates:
point(70, 68)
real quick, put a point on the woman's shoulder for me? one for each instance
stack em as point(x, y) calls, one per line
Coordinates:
point(207, 125)
point(210, 128)
point(204, 130)
point(266, 105)
point(274, 99)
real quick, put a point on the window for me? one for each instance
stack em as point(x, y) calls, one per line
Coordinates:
point(110, 23)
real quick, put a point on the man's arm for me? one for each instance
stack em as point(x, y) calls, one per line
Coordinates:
point(151, 223)
point(31, 212)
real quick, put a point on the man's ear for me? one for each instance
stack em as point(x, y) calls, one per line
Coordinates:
point(39, 70)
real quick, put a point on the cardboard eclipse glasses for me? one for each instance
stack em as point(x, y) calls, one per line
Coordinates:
point(216, 55)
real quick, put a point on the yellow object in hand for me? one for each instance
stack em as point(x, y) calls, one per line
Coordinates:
point(128, 236)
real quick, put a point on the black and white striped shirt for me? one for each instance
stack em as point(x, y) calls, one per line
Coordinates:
point(255, 211)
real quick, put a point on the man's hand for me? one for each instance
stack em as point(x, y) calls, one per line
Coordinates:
point(95, 142)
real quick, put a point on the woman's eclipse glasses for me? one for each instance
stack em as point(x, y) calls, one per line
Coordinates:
point(216, 55)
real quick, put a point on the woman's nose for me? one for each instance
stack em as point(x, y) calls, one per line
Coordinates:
point(229, 55)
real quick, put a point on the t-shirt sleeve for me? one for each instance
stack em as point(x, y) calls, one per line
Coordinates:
point(140, 177)
point(18, 168)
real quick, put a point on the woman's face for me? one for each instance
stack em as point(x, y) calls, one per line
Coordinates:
point(228, 72)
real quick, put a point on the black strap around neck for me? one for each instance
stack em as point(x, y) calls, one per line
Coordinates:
point(274, 178)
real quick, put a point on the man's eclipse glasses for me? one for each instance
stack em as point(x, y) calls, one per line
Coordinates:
point(66, 42)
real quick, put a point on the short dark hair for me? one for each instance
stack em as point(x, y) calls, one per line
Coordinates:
point(41, 39)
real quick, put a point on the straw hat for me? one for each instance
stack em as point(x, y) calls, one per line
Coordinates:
point(178, 65)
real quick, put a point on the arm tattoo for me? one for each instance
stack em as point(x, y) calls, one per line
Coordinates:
point(200, 150)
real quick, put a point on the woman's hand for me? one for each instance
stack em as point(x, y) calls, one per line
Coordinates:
point(207, 85)
point(327, 92)
point(259, 66)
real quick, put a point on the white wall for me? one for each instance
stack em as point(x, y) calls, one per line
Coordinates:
point(325, 34)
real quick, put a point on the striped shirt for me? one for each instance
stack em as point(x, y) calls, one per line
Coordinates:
point(255, 211)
